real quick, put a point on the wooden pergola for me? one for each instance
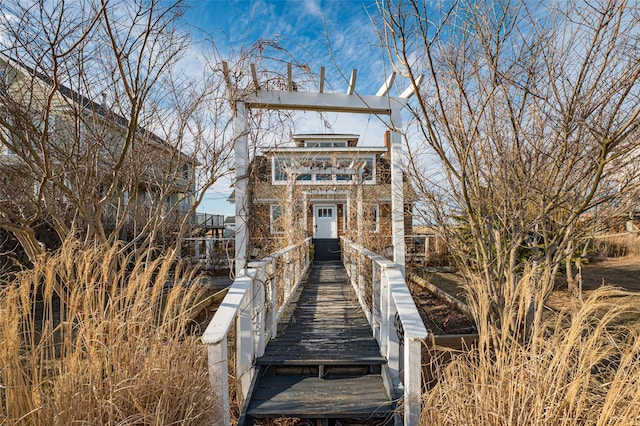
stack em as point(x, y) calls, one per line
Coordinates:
point(350, 102)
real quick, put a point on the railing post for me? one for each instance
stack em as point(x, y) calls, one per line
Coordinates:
point(209, 251)
point(384, 308)
point(361, 286)
point(287, 275)
point(272, 298)
point(375, 299)
point(412, 380)
point(244, 341)
point(258, 302)
point(219, 379)
point(393, 342)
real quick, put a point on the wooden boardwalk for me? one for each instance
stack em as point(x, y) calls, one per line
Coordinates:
point(325, 363)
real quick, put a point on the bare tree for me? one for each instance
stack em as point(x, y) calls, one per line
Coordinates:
point(524, 118)
point(106, 133)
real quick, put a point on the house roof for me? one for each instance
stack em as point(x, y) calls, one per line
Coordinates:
point(95, 107)
point(351, 139)
point(327, 151)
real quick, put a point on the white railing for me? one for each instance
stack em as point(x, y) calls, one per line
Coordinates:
point(208, 220)
point(213, 252)
point(394, 319)
point(254, 303)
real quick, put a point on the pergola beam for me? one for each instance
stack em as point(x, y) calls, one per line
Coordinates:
point(411, 90)
point(254, 76)
point(384, 89)
point(352, 81)
point(321, 88)
point(333, 102)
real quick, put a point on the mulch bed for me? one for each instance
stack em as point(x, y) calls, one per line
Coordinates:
point(439, 317)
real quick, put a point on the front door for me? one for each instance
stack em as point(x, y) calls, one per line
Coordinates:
point(325, 222)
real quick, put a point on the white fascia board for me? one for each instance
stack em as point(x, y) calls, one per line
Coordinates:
point(313, 101)
point(327, 151)
point(332, 136)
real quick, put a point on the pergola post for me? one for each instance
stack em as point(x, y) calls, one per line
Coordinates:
point(397, 191)
point(242, 164)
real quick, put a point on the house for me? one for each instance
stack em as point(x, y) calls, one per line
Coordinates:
point(324, 186)
point(68, 161)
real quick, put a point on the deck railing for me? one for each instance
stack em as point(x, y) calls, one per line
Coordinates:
point(254, 303)
point(394, 319)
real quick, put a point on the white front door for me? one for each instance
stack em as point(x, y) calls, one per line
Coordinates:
point(325, 222)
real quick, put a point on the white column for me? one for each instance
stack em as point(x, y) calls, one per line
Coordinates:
point(397, 194)
point(242, 203)
point(305, 208)
point(359, 214)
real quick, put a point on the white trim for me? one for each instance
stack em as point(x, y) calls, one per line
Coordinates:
point(334, 217)
point(344, 216)
point(272, 229)
point(376, 208)
point(332, 172)
point(333, 102)
point(337, 149)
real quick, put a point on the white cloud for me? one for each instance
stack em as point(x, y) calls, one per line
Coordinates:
point(312, 8)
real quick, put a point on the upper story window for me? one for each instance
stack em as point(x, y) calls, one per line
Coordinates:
point(325, 144)
point(323, 169)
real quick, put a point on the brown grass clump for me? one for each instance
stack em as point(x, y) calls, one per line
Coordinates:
point(582, 366)
point(113, 349)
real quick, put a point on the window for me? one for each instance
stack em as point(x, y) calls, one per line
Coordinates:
point(373, 218)
point(326, 212)
point(275, 224)
point(325, 144)
point(323, 170)
point(368, 173)
point(185, 171)
point(279, 169)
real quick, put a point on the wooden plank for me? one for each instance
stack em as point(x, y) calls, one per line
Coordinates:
point(326, 328)
point(312, 397)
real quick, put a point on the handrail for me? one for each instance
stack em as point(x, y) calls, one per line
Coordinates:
point(393, 316)
point(254, 303)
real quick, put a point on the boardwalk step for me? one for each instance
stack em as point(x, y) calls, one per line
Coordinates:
point(308, 360)
point(309, 397)
point(323, 370)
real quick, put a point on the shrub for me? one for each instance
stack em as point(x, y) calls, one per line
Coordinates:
point(95, 336)
point(581, 367)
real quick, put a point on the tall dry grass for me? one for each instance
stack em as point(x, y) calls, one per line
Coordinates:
point(115, 350)
point(580, 366)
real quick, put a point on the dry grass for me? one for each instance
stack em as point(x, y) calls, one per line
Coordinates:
point(617, 245)
point(582, 366)
point(114, 350)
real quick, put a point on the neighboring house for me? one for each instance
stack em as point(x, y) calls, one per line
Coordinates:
point(59, 151)
point(325, 186)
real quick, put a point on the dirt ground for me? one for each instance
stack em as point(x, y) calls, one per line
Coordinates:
point(619, 272)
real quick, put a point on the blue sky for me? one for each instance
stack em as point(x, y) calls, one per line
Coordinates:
point(338, 35)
